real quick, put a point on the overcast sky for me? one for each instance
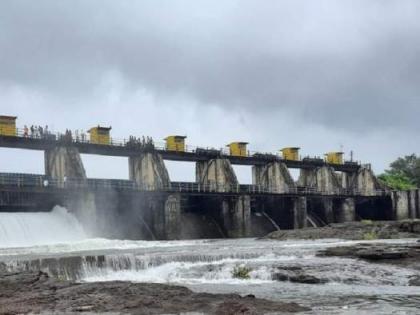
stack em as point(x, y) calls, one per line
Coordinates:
point(322, 75)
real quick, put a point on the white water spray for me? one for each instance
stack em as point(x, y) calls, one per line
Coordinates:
point(41, 228)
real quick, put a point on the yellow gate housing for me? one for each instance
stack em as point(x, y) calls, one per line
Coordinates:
point(290, 153)
point(175, 143)
point(334, 157)
point(100, 135)
point(8, 125)
point(238, 148)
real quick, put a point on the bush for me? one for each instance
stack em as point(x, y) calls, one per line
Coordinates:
point(370, 236)
point(366, 222)
point(241, 272)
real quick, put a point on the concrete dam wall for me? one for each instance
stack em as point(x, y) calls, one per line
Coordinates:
point(218, 206)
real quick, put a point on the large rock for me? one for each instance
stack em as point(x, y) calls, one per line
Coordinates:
point(34, 293)
point(354, 231)
point(374, 252)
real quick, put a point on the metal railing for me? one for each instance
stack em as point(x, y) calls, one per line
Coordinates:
point(45, 182)
point(84, 138)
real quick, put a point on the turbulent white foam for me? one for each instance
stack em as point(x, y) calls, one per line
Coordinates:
point(93, 244)
point(219, 272)
point(32, 229)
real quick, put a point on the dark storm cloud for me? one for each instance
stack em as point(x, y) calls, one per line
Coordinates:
point(343, 64)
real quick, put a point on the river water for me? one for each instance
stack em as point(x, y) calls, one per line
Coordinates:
point(352, 287)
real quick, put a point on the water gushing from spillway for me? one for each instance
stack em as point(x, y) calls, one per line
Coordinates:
point(21, 229)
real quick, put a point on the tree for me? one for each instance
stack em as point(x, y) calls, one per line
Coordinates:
point(396, 181)
point(404, 173)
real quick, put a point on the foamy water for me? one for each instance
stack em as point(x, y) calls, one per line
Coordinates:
point(29, 229)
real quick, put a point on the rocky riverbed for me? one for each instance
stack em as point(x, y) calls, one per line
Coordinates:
point(364, 230)
point(30, 292)
point(407, 255)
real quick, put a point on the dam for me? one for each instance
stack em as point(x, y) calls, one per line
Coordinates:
point(149, 205)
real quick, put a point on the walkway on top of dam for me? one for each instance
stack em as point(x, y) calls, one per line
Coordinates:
point(192, 154)
point(40, 183)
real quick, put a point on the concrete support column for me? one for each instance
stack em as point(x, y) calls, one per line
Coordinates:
point(172, 216)
point(346, 211)
point(148, 170)
point(400, 204)
point(273, 176)
point(327, 205)
point(64, 161)
point(217, 174)
point(348, 180)
point(323, 179)
point(300, 213)
point(414, 206)
point(366, 183)
point(236, 216)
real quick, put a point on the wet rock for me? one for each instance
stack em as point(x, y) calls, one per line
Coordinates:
point(414, 281)
point(297, 277)
point(416, 227)
point(407, 254)
point(354, 231)
point(382, 253)
point(30, 292)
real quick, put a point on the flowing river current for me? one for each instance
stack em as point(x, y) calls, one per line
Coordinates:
point(56, 242)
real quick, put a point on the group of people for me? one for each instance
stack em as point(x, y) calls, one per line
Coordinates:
point(78, 136)
point(40, 132)
point(35, 131)
point(142, 143)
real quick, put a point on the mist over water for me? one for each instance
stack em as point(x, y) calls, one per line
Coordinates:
point(24, 229)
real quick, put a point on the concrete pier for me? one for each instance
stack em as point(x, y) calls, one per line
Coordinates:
point(406, 204)
point(64, 162)
point(322, 179)
point(172, 217)
point(273, 176)
point(236, 216)
point(365, 182)
point(345, 210)
point(300, 212)
point(217, 174)
point(325, 180)
point(400, 204)
point(148, 170)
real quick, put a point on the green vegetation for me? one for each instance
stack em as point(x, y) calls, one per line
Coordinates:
point(366, 222)
point(404, 173)
point(370, 236)
point(396, 181)
point(241, 272)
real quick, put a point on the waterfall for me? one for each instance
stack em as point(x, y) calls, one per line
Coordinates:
point(31, 229)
